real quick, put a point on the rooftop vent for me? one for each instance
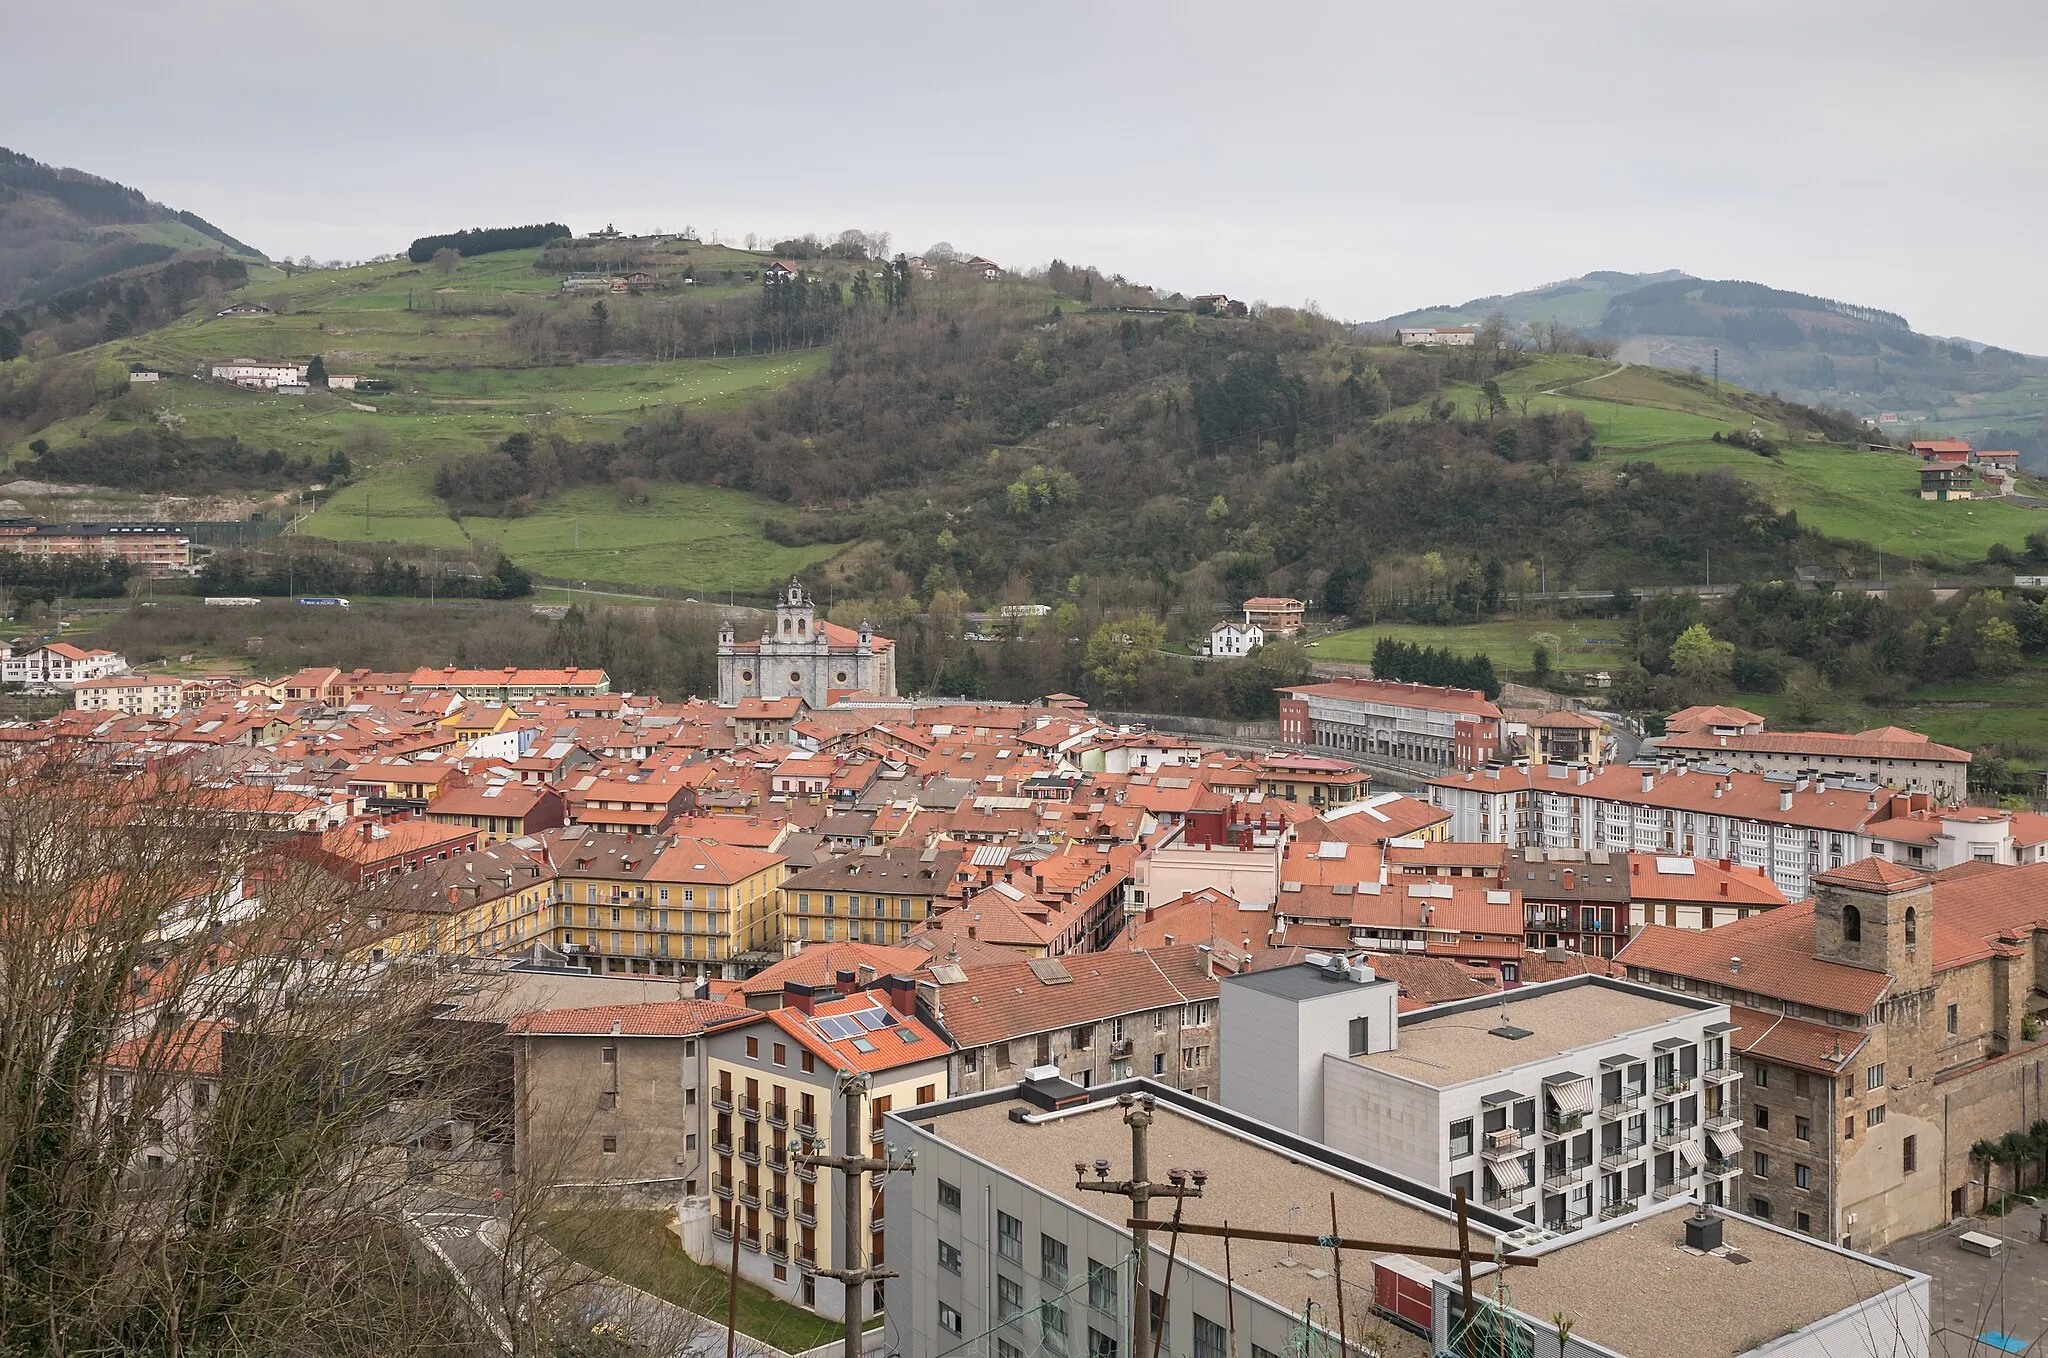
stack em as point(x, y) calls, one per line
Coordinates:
point(1703, 1231)
point(1510, 1032)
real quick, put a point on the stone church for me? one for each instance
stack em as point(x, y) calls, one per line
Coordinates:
point(804, 657)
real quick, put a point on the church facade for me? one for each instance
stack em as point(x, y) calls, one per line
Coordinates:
point(802, 656)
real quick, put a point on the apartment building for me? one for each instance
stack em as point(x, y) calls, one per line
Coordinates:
point(512, 684)
point(787, 1077)
point(1889, 756)
point(1555, 1104)
point(1097, 1018)
point(131, 695)
point(1886, 1025)
point(1415, 724)
point(60, 665)
point(879, 894)
point(501, 811)
point(615, 1094)
point(1791, 827)
point(157, 548)
point(1004, 1244)
point(661, 905)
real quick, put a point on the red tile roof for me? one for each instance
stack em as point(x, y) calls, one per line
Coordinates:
point(1798, 1043)
point(1872, 874)
point(1776, 948)
point(661, 1018)
point(996, 1004)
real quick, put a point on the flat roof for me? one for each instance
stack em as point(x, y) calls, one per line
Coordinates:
point(1252, 1182)
point(1300, 981)
point(1449, 1045)
point(1765, 1284)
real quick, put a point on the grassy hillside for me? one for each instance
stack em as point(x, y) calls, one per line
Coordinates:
point(1645, 414)
point(1810, 349)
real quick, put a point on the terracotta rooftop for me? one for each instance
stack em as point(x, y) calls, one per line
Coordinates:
point(1776, 952)
point(996, 1004)
point(666, 1018)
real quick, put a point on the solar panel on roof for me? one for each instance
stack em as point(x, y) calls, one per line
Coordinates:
point(871, 1019)
point(837, 1027)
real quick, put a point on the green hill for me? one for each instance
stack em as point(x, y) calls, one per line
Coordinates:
point(1815, 350)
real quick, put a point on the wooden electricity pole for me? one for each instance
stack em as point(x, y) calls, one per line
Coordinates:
point(853, 1171)
point(1140, 1189)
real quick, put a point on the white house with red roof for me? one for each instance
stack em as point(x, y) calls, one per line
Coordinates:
point(60, 665)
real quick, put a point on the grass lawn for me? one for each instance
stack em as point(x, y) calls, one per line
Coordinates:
point(1507, 642)
point(691, 537)
point(636, 1247)
point(1858, 496)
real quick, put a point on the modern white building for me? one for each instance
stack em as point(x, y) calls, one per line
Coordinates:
point(1003, 1254)
point(60, 665)
point(1235, 638)
point(266, 373)
point(1557, 1104)
point(130, 695)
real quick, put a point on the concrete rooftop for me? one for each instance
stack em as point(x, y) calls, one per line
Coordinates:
point(1445, 1048)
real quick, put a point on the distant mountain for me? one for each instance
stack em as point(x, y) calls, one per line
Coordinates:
point(1814, 350)
point(62, 228)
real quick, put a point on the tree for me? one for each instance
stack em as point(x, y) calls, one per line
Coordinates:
point(600, 326)
point(316, 372)
point(1702, 662)
point(447, 259)
point(1119, 651)
point(1539, 662)
point(1997, 648)
point(1806, 693)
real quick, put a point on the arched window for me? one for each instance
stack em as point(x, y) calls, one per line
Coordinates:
point(1912, 926)
point(1852, 924)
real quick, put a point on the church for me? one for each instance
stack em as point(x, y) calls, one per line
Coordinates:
point(803, 657)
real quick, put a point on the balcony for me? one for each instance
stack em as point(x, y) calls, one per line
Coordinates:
point(750, 1195)
point(721, 1099)
point(1120, 1049)
point(751, 1110)
point(752, 1240)
point(778, 1248)
point(750, 1151)
point(1674, 1086)
point(1617, 1207)
point(723, 1148)
point(806, 1172)
point(806, 1212)
point(807, 1125)
point(1557, 1178)
point(1627, 1101)
point(807, 1261)
point(1563, 1124)
point(1505, 1143)
point(778, 1115)
point(1672, 1137)
point(1722, 1167)
point(721, 1185)
point(1670, 1190)
point(778, 1204)
point(1566, 1224)
point(1503, 1197)
point(1724, 1122)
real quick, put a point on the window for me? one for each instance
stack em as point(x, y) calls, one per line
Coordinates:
point(1804, 1221)
point(1799, 1084)
point(1760, 1208)
point(1210, 1340)
point(1763, 1118)
point(1802, 1128)
point(690, 1142)
point(754, 1047)
point(1100, 1345)
point(1002, 1055)
point(1874, 1077)
point(1763, 1165)
point(1802, 1176)
point(927, 1093)
point(1909, 1155)
point(1052, 1260)
point(1084, 1037)
point(1009, 1299)
point(1952, 1020)
point(1849, 1128)
point(781, 1055)
point(1102, 1287)
point(1361, 1043)
point(1196, 1015)
point(1852, 924)
point(1912, 926)
point(1159, 1063)
point(611, 1145)
point(1761, 1076)
point(1461, 1138)
point(1874, 1116)
point(1193, 1058)
point(810, 1063)
point(949, 1258)
point(608, 1055)
point(1005, 1349)
point(949, 1196)
point(1052, 1328)
point(1009, 1237)
point(949, 1319)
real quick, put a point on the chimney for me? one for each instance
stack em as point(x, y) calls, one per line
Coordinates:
point(800, 996)
point(1724, 888)
point(1717, 790)
point(1567, 879)
point(901, 994)
point(1649, 781)
point(1635, 867)
point(1784, 799)
point(844, 981)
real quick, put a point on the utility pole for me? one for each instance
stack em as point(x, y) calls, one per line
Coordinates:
point(853, 1171)
point(1140, 1189)
point(1717, 372)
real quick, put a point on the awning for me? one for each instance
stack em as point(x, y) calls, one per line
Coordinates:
point(1727, 1144)
point(1575, 1097)
point(1690, 1155)
point(1508, 1175)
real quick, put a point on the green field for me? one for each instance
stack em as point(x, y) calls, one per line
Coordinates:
point(1507, 642)
point(636, 1247)
point(684, 537)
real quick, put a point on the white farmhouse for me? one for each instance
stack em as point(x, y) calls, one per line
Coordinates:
point(1235, 638)
point(264, 373)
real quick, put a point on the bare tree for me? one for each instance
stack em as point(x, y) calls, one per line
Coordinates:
point(447, 259)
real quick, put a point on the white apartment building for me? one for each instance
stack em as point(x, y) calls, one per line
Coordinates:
point(1555, 1104)
point(1426, 336)
point(1789, 826)
point(1004, 1254)
point(266, 373)
point(131, 695)
point(60, 665)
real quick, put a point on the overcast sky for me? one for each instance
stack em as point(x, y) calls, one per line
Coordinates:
point(1371, 157)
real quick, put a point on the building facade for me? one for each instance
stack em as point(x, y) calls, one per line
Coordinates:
point(804, 657)
point(1416, 724)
